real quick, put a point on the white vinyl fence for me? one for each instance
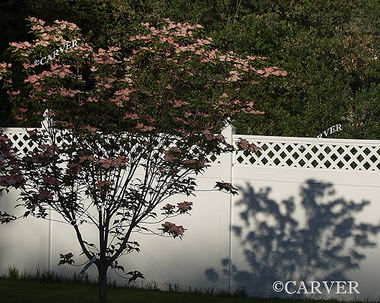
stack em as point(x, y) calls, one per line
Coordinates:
point(307, 210)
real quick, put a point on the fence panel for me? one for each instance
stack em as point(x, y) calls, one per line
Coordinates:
point(307, 209)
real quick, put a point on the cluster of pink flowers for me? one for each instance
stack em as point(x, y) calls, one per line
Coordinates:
point(35, 20)
point(196, 163)
point(172, 229)
point(45, 153)
point(273, 70)
point(67, 258)
point(86, 157)
point(169, 208)
point(51, 181)
point(44, 194)
point(14, 178)
point(178, 103)
point(92, 99)
point(184, 206)
point(132, 116)
point(209, 135)
point(25, 46)
point(104, 57)
point(144, 128)
point(68, 92)
point(40, 156)
point(120, 161)
point(174, 29)
point(59, 71)
point(4, 69)
point(245, 145)
point(115, 162)
point(173, 154)
point(121, 96)
point(65, 24)
point(234, 76)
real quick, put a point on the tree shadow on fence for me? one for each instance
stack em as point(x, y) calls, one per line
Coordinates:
point(278, 244)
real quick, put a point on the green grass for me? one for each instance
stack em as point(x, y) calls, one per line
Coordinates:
point(32, 291)
point(44, 287)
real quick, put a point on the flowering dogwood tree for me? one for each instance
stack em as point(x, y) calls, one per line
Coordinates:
point(124, 132)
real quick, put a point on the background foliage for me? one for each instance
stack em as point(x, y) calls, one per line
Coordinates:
point(328, 48)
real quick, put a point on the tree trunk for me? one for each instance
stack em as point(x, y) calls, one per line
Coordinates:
point(102, 269)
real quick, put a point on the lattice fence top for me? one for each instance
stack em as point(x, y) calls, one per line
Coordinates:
point(337, 154)
point(19, 138)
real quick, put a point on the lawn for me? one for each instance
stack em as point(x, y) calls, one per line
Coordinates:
point(32, 291)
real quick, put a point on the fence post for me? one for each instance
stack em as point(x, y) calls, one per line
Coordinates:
point(45, 125)
point(226, 162)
